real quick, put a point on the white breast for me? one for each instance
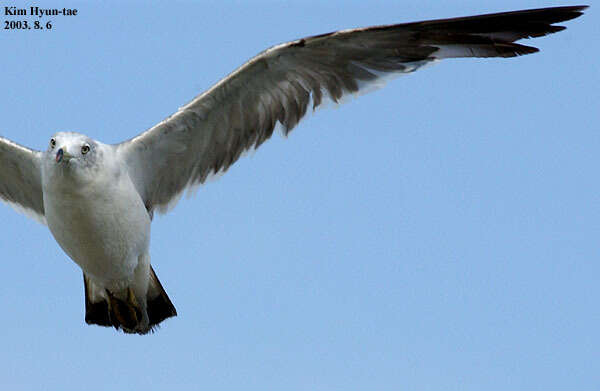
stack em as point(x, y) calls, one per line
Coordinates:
point(103, 226)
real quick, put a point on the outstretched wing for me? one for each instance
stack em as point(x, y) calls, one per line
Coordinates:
point(240, 112)
point(20, 179)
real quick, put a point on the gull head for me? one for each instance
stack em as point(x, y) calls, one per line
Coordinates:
point(72, 155)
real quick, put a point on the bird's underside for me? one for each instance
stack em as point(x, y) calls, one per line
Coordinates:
point(209, 134)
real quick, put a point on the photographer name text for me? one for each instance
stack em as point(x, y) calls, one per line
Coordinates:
point(39, 12)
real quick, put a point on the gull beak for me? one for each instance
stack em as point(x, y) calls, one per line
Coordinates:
point(62, 154)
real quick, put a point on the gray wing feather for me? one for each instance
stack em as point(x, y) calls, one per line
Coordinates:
point(241, 111)
point(20, 179)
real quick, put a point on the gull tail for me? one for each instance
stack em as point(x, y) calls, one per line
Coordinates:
point(123, 310)
point(159, 305)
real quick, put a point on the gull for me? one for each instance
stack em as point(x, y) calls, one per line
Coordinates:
point(99, 200)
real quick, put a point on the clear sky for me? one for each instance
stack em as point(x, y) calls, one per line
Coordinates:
point(439, 234)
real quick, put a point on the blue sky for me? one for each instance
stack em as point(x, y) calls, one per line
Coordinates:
point(438, 234)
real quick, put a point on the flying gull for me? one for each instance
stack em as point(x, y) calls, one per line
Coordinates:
point(98, 200)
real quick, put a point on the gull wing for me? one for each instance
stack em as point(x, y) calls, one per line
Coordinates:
point(20, 179)
point(209, 134)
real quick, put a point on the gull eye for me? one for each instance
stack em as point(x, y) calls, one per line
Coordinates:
point(52, 143)
point(85, 149)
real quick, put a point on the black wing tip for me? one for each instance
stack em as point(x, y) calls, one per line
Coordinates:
point(572, 8)
point(552, 15)
point(548, 17)
point(568, 12)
